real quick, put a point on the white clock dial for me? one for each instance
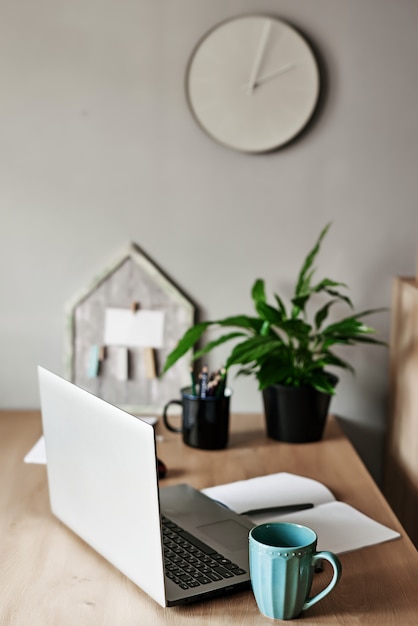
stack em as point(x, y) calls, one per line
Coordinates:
point(253, 83)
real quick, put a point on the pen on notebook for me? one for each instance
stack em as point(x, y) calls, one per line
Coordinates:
point(286, 508)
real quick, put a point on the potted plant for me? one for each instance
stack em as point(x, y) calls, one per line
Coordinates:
point(289, 350)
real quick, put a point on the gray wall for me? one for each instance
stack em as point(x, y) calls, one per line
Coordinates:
point(98, 149)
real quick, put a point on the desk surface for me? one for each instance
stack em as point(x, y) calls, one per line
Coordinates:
point(48, 576)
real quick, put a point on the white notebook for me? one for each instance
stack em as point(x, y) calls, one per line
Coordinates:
point(339, 526)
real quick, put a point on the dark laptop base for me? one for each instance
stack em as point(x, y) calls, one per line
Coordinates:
point(213, 537)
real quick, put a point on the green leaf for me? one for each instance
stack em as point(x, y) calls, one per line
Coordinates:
point(322, 382)
point(245, 371)
point(340, 296)
point(274, 373)
point(280, 305)
point(354, 321)
point(351, 326)
point(322, 314)
point(349, 331)
point(304, 278)
point(325, 284)
point(330, 359)
point(241, 321)
point(251, 350)
point(265, 329)
point(269, 313)
point(296, 329)
point(217, 342)
point(186, 343)
point(361, 339)
point(258, 291)
point(299, 304)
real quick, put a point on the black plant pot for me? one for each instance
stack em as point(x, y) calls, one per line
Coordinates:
point(296, 414)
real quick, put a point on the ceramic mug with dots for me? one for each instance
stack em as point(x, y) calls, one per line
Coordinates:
point(282, 562)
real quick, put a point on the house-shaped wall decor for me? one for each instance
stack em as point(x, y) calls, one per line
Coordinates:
point(109, 326)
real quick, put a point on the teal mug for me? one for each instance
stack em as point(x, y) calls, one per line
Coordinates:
point(282, 562)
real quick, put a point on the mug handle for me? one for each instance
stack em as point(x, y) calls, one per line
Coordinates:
point(165, 417)
point(336, 566)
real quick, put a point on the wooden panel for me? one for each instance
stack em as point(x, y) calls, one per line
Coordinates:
point(401, 467)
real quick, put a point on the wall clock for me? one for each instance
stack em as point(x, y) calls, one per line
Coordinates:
point(252, 83)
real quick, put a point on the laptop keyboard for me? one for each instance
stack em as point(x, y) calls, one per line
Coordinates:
point(190, 562)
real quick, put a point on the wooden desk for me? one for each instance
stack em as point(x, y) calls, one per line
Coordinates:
point(49, 577)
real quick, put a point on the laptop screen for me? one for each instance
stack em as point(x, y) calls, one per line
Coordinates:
point(102, 479)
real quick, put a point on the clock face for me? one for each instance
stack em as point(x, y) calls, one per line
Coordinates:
point(252, 83)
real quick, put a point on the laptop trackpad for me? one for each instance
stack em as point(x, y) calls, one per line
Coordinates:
point(228, 533)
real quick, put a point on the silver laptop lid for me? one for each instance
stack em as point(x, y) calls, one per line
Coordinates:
point(102, 478)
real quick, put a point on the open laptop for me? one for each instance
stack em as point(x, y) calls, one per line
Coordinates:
point(103, 485)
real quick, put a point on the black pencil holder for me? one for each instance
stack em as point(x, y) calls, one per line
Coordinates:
point(204, 421)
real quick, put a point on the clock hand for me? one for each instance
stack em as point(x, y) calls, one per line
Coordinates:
point(269, 75)
point(259, 56)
